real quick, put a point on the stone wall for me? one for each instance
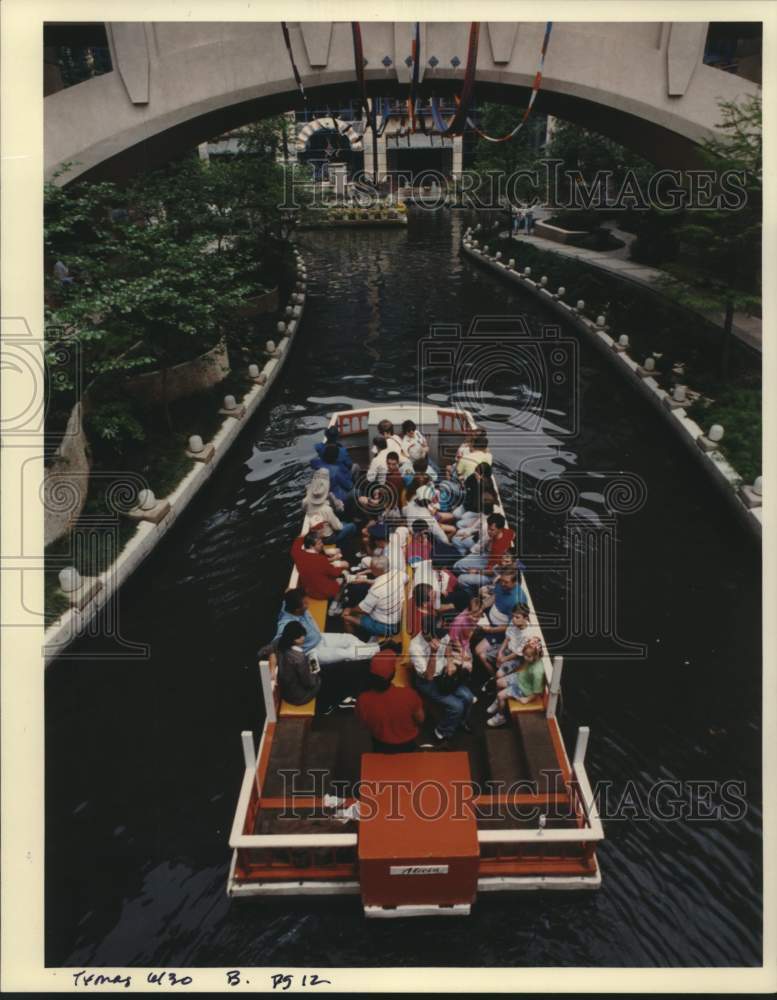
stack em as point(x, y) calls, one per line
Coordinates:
point(715, 465)
point(182, 380)
point(66, 481)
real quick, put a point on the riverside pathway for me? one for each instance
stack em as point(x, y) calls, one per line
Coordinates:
point(746, 328)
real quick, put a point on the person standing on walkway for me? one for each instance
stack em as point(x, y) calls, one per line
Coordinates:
point(530, 223)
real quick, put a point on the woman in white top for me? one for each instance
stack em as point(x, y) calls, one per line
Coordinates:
point(411, 437)
point(479, 452)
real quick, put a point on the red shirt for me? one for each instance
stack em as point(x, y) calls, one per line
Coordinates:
point(419, 547)
point(389, 714)
point(418, 614)
point(499, 546)
point(317, 576)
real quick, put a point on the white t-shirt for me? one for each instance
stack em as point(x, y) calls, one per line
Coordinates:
point(395, 443)
point(386, 598)
point(419, 654)
point(469, 462)
point(323, 512)
point(517, 638)
point(416, 512)
point(415, 437)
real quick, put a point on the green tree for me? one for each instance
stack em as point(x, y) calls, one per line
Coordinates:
point(497, 120)
point(719, 250)
point(583, 153)
point(144, 293)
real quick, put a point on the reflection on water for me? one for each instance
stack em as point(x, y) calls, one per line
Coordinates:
point(143, 760)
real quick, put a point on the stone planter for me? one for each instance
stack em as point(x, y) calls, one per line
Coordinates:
point(184, 379)
point(259, 304)
point(557, 234)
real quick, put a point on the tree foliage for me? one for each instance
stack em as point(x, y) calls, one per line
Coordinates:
point(719, 250)
point(161, 263)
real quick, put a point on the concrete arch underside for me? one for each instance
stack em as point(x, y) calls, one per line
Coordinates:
point(176, 85)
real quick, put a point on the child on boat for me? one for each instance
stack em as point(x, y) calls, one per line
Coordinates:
point(523, 684)
point(517, 634)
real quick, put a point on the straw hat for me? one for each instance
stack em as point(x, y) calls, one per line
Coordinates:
point(317, 491)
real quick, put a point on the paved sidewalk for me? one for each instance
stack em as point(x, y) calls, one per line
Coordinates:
point(746, 328)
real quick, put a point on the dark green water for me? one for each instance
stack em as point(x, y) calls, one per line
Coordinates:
point(143, 756)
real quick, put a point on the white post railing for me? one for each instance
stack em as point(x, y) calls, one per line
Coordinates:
point(581, 745)
point(555, 687)
point(249, 751)
point(267, 691)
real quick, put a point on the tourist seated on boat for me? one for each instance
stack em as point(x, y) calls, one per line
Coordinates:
point(340, 481)
point(422, 609)
point(524, 684)
point(319, 576)
point(507, 595)
point(317, 504)
point(450, 496)
point(420, 507)
point(517, 634)
point(369, 501)
point(393, 715)
point(420, 467)
point(419, 546)
point(393, 440)
point(387, 453)
point(479, 496)
point(298, 683)
point(463, 626)
point(329, 647)
point(467, 446)
point(380, 611)
point(439, 676)
point(449, 596)
point(413, 439)
point(471, 537)
point(393, 480)
point(477, 455)
point(332, 436)
point(374, 540)
point(486, 553)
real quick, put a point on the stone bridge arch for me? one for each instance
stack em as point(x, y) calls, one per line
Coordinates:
point(175, 84)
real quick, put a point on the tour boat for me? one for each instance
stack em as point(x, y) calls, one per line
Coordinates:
point(501, 809)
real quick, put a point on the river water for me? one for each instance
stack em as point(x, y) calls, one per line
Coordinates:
point(143, 755)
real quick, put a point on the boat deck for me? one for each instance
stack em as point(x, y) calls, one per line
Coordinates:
point(521, 780)
point(321, 755)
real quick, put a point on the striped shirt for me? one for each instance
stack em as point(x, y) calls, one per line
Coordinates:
point(386, 597)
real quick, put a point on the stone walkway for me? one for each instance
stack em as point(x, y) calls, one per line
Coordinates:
point(746, 328)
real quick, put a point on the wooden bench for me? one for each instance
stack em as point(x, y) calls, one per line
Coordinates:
point(537, 704)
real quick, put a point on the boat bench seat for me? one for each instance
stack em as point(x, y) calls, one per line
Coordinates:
point(287, 710)
point(403, 672)
point(535, 705)
point(318, 609)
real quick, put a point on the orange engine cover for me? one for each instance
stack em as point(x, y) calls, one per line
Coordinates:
point(418, 840)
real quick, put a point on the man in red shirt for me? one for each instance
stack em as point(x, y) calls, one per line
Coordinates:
point(500, 539)
point(318, 576)
point(392, 714)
